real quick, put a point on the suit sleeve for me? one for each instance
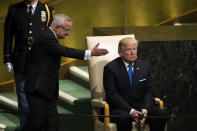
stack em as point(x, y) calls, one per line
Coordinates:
point(8, 34)
point(52, 47)
point(149, 98)
point(112, 94)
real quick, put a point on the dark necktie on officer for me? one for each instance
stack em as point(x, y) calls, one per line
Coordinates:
point(130, 72)
point(30, 11)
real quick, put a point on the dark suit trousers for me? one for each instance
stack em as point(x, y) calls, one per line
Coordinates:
point(43, 113)
point(124, 123)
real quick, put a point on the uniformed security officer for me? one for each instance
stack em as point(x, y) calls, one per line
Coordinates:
point(23, 22)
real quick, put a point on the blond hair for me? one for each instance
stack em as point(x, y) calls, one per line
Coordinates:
point(127, 41)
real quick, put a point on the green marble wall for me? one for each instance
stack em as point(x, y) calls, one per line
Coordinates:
point(87, 14)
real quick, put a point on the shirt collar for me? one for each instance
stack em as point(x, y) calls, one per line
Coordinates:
point(127, 64)
point(33, 6)
point(53, 32)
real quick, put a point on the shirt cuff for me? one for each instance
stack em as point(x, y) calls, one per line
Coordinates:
point(87, 55)
point(131, 111)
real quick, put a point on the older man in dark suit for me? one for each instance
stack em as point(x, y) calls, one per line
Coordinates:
point(41, 85)
point(129, 91)
point(24, 20)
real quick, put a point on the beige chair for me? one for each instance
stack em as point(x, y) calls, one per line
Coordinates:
point(96, 65)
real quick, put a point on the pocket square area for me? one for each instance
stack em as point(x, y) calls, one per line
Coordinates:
point(142, 80)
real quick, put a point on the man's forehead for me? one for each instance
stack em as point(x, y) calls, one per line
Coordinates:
point(131, 46)
point(67, 24)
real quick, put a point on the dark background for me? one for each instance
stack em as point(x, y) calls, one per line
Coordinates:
point(174, 71)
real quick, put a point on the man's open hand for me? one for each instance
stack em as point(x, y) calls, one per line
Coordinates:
point(98, 51)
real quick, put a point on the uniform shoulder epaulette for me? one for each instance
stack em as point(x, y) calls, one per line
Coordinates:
point(51, 8)
point(50, 11)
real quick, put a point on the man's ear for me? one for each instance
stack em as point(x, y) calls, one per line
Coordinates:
point(57, 28)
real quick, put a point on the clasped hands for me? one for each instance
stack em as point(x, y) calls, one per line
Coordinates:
point(136, 114)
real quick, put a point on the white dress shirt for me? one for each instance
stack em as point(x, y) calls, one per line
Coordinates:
point(33, 7)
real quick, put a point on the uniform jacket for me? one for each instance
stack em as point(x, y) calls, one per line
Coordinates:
point(119, 92)
point(17, 26)
point(44, 63)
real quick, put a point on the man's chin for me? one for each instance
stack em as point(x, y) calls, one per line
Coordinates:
point(132, 59)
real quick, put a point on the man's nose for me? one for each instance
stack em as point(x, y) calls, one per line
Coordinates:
point(132, 51)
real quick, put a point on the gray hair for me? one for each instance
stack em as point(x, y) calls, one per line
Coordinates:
point(60, 19)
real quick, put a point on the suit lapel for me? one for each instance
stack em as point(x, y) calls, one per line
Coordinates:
point(23, 10)
point(136, 74)
point(124, 72)
point(38, 9)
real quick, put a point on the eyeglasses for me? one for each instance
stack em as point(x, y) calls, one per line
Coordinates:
point(65, 29)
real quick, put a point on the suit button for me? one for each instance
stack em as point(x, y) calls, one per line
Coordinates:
point(30, 24)
point(30, 32)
